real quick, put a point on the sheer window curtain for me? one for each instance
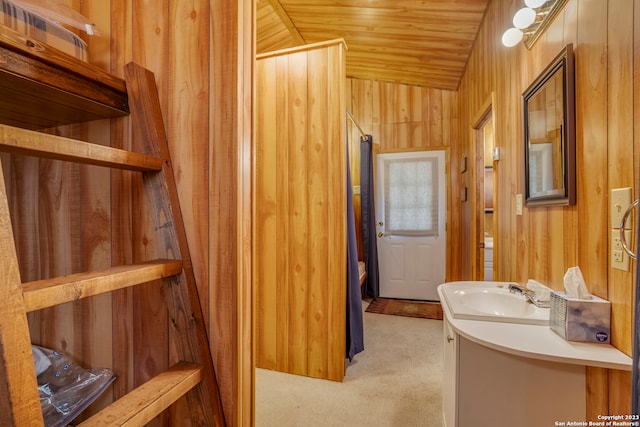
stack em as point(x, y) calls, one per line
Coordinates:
point(411, 207)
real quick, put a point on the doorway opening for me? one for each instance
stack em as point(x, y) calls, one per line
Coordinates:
point(485, 203)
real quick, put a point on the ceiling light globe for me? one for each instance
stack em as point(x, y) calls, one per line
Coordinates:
point(524, 17)
point(534, 3)
point(512, 37)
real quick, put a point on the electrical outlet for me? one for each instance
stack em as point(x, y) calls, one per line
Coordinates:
point(619, 258)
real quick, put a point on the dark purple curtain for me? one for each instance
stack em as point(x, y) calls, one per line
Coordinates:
point(368, 217)
point(355, 333)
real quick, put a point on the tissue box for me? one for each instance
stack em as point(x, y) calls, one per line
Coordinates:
point(580, 320)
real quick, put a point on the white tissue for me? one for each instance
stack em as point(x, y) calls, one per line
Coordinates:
point(574, 284)
point(543, 293)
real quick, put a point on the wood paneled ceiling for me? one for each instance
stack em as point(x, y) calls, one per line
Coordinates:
point(417, 42)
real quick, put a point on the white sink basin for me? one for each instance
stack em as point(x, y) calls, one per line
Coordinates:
point(490, 301)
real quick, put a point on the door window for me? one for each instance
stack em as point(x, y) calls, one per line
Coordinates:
point(411, 196)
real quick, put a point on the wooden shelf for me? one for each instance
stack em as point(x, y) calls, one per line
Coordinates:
point(41, 87)
point(59, 290)
point(31, 143)
point(150, 399)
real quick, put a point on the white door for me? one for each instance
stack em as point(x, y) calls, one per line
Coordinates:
point(410, 216)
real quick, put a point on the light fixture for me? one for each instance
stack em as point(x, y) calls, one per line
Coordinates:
point(534, 4)
point(512, 37)
point(524, 17)
point(530, 21)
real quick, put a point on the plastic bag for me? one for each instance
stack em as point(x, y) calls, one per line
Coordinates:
point(65, 388)
point(60, 13)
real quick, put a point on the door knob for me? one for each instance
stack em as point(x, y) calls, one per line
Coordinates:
point(380, 234)
point(380, 223)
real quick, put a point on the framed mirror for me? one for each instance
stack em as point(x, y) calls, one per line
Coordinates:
point(549, 135)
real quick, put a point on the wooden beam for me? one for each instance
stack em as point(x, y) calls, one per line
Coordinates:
point(284, 16)
point(19, 405)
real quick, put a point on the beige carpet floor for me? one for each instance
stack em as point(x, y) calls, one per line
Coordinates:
point(395, 381)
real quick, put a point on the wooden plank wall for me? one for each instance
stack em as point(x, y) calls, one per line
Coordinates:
point(72, 218)
point(300, 223)
point(543, 242)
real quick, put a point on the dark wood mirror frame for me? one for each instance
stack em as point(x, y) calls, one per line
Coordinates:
point(549, 135)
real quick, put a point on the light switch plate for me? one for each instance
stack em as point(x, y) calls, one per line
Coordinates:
point(620, 201)
point(518, 204)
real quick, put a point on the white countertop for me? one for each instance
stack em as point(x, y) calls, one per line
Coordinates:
point(537, 342)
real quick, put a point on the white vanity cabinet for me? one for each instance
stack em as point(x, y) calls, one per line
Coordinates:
point(483, 386)
point(512, 370)
point(450, 375)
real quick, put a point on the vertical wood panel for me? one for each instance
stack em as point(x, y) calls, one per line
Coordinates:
point(618, 396)
point(96, 220)
point(282, 275)
point(58, 222)
point(620, 172)
point(230, 110)
point(231, 58)
point(266, 218)
point(150, 33)
point(337, 204)
point(96, 312)
point(591, 152)
point(598, 393)
point(318, 185)
point(622, 167)
point(244, 372)
point(436, 122)
point(188, 129)
point(121, 206)
point(298, 240)
point(310, 243)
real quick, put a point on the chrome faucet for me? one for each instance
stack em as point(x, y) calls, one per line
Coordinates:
point(528, 294)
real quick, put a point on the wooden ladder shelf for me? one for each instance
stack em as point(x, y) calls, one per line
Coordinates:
point(194, 375)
